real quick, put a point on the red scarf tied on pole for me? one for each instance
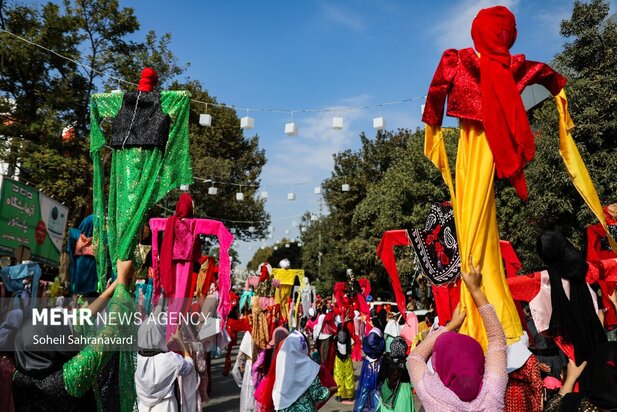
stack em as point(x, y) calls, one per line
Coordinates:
point(184, 209)
point(503, 114)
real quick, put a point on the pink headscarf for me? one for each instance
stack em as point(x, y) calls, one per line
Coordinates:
point(459, 361)
point(410, 330)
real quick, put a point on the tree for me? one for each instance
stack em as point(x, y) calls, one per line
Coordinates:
point(589, 62)
point(42, 94)
point(221, 153)
point(392, 187)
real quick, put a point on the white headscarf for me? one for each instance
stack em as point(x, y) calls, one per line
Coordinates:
point(151, 336)
point(295, 371)
point(393, 328)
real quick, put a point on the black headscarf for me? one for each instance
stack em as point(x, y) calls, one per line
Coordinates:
point(598, 382)
point(574, 320)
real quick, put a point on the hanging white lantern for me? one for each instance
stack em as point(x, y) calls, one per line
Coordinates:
point(287, 245)
point(232, 230)
point(250, 248)
point(314, 218)
point(291, 196)
point(262, 247)
point(270, 229)
point(212, 191)
point(337, 123)
point(116, 91)
point(286, 231)
point(247, 122)
point(276, 248)
point(345, 187)
point(302, 229)
point(251, 229)
point(263, 195)
point(184, 188)
point(270, 236)
point(291, 129)
point(379, 123)
point(205, 119)
point(317, 190)
point(299, 244)
point(240, 196)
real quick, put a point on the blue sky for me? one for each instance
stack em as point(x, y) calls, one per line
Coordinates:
point(326, 54)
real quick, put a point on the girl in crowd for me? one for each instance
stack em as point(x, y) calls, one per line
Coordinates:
point(297, 387)
point(158, 369)
point(396, 393)
point(463, 379)
point(343, 366)
point(373, 345)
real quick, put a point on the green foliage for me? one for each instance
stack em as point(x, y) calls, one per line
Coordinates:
point(590, 63)
point(392, 187)
point(273, 257)
point(41, 94)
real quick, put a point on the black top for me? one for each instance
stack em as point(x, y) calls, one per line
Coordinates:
point(148, 128)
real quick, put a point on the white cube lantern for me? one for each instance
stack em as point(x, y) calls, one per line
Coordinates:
point(240, 196)
point(286, 231)
point(247, 122)
point(270, 236)
point(205, 119)
point(232, 230)
point(299, 244)
point(291, 196)
point(212, 191)
point(379, 123)
point(264, 195)
point(251, 229)
point(270, 229)
point(314, 218)
point(317, 190)
point(262, 247)
point(345, 187)
point(184, 188)
point(276, 248)
point(287, 245)
point(291, 129)
point(303, 229)
point(250, 248)
point(337, 123)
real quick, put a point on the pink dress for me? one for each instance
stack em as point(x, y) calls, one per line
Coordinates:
point(435, 396)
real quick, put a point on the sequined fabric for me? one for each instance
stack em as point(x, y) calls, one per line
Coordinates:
point(81, 372)
point(458, 78)
point(140, 122)
point(48, 395)
point(139, 177)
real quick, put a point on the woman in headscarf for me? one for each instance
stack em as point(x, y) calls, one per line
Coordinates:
point(410, 329)
point(297, 387)
point(158, 369)
point(396, 393)
point(82, 269)
point(574, 323)
point(373, 346)
point(343, 367)
point(243, 373)
point(598, 383)
point(462, 378)
point(392, 329)
point(263, 391)
point(264, 359)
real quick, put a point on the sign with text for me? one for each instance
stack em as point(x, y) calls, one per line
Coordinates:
point(30, 219)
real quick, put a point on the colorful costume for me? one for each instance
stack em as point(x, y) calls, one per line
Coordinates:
point(150, 157)
point(183, 254)
point(287, 278)
point(373, 346)
point(343, 367)
point(82, 270)
point(484, 93)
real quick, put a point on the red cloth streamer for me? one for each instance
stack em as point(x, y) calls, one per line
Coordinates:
point(385, 251)
point(446, 298)
point(184, 208)
point(149, 79)
point(503, 114)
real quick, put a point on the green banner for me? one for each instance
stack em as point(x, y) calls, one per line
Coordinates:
point(29, 218)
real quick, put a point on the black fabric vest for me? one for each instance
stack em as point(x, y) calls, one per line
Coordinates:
point(150, 126)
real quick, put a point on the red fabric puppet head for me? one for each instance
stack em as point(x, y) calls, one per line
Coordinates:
point(503, 115)
point(149, 79)
point(184, 207)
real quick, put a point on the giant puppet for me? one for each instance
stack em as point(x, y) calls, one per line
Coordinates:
point(483, 86)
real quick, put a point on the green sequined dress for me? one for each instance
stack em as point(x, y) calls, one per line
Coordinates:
point(139, 177)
